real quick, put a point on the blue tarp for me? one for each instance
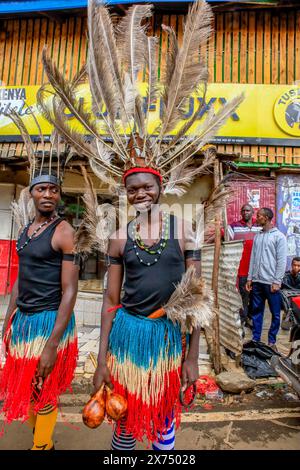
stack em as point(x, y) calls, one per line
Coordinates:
point(24, 6)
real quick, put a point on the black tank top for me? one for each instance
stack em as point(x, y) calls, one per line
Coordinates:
point(147, 288)
point(39, 272)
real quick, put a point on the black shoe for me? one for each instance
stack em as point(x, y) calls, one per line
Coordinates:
point(273, 346)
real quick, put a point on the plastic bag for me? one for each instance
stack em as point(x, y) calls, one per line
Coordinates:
point(208, 387)
point(256, 360)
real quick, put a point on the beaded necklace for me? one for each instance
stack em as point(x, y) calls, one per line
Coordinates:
point(140, 247)
point(19, 248)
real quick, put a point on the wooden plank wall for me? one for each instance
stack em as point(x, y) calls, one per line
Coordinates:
point(254, 46)
point(22, 43)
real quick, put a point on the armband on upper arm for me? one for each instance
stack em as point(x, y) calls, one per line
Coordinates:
point(117, 260)
point(193, 254)
point(71, 257)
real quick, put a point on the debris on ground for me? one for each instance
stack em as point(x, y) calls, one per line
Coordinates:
point(264, 394)
point(291, 396)
point(207, 387)
point(235, 382)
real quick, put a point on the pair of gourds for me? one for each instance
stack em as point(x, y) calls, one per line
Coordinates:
point(105, 401)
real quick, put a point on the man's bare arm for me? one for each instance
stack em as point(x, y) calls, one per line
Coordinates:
point(111, 299)
point(190, 371)
point(64, 240)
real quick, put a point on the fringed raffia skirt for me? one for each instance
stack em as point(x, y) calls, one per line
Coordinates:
point(25, 339)
point(144, 359)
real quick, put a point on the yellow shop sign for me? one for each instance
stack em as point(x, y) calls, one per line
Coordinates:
point(269, 115)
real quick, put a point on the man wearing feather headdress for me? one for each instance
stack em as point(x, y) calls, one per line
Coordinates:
point(141, 347)
point(39, 328)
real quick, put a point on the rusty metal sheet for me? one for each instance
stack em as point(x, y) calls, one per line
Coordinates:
point(259, 193)
point(229, 298)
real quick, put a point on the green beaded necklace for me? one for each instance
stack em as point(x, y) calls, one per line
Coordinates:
point(140, 247)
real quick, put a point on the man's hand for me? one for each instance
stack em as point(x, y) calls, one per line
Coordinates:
point(47, 361)
point(190, 373)
point(248, 286)
point(102, 374)
point(275, 287)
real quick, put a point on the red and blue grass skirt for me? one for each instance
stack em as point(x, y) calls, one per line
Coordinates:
point(25, 339)
point(144, 358)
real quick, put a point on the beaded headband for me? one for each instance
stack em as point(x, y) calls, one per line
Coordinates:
point(141, 170)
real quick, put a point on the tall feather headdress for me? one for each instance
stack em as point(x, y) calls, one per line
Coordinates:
point(117, 55)
point(47, 164)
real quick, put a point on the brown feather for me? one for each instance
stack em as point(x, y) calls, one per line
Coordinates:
point(132, 39)
point(53, 112)
point(103, 61)
point(14, 116)
point(188, 72)
point(85, 237)
point(23, 209)
point(98, 223)
point(181, 174)
point(65, 91)
point(191, 303)
point(204, 133)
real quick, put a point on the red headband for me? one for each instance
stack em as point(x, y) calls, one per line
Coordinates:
point(138, 169)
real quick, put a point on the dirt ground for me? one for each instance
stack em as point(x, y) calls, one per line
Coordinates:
point(268, 418)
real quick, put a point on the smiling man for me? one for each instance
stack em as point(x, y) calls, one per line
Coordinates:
point(140, 352)
point(39, 328)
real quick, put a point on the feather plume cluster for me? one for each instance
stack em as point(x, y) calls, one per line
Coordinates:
point(23, 209)
point(191, 304)
point(98, 222)
point(60, 153)
point(216, 203)
point(117, 55)
point(206, 215)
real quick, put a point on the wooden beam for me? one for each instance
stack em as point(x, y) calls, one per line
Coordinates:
point(216, 352)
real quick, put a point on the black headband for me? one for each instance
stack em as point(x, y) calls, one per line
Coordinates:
point(44, 179)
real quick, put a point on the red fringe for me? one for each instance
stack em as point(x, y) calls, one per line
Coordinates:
point(16, 386)
point(150, 420)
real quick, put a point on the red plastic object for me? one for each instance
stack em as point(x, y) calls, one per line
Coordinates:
point(207, 406)
point(205, 383)
point(297, 301)
point(8, 265)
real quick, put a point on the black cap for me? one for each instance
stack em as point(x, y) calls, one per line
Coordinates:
point(44, 179)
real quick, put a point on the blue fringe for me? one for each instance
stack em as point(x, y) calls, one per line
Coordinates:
point(26, 328)
point(144, 340)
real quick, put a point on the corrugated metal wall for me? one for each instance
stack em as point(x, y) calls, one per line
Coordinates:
point(254, 46)
point(229, 298)
point(260, 193)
